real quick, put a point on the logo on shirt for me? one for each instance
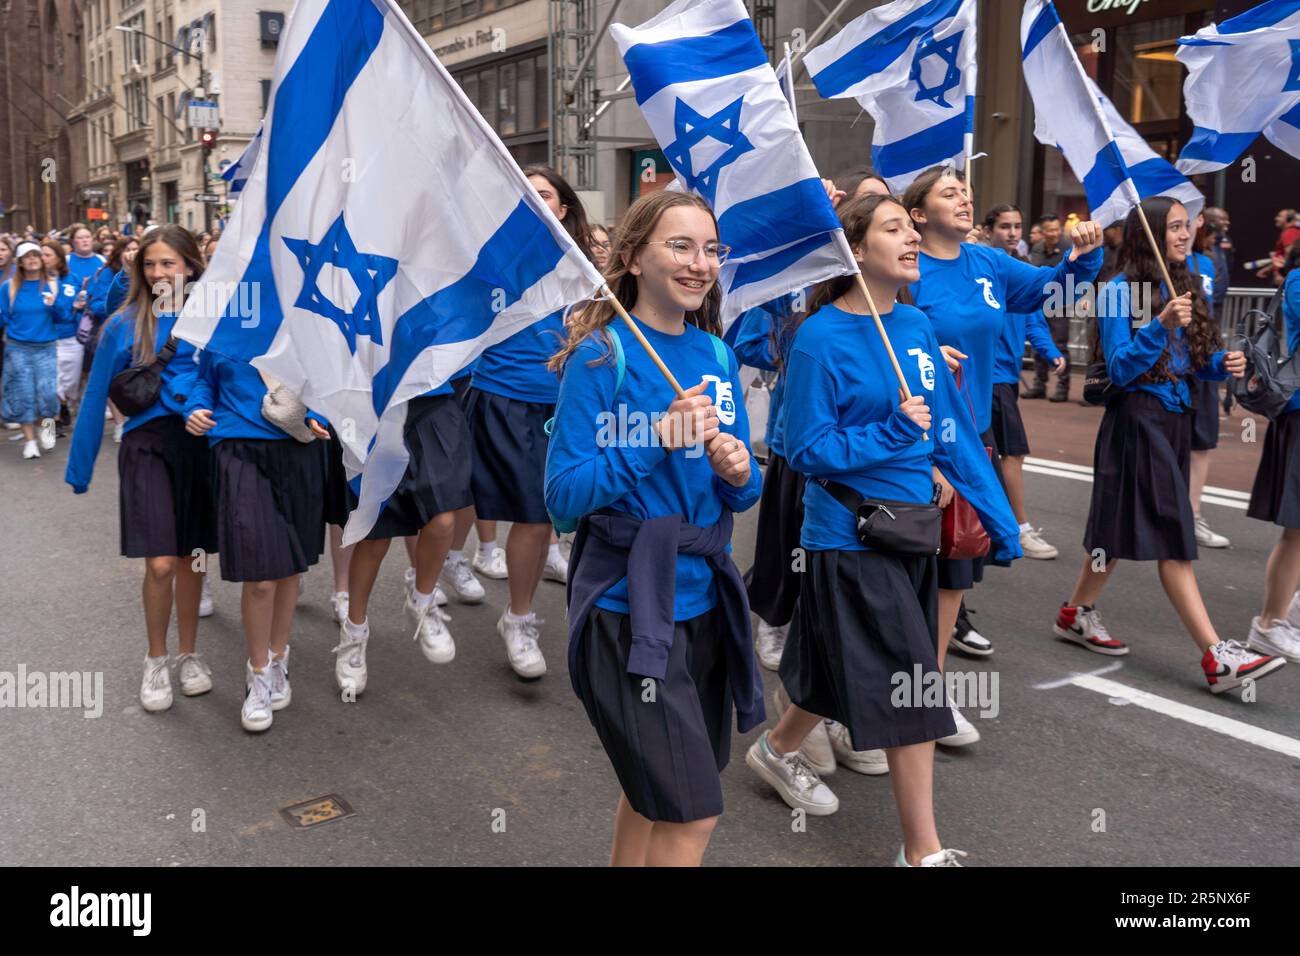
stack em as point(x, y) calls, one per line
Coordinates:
point(926, 366)
point(724, 403)
point(993, 303)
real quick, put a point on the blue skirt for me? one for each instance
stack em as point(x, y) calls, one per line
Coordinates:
point(1275, 496)
point(31, 375)
point(509, 438)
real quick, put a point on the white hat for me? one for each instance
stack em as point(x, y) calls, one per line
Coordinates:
point(26, 247)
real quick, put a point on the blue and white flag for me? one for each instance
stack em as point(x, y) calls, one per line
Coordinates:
point(384, 237)
point(785, 77)
point(1115, 165)
point(1243, 79)
point(911, 64)
point(705, 87)
point(237, 173)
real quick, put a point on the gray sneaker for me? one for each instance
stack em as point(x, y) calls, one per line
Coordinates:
point(1207, 537)
point(793, 778)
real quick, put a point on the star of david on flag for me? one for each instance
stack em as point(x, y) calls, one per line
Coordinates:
point(695, 130)
point(946, 52)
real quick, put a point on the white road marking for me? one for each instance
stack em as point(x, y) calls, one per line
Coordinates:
point(1224, 497)
point(1065, 681)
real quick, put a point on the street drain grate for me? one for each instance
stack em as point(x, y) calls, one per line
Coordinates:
point(312, 813)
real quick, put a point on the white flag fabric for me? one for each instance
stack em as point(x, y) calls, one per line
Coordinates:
point(785, 77)
point(237, 173)
point(705, 87)
point(383, 239)
point(1243, 80)
point(911, 64)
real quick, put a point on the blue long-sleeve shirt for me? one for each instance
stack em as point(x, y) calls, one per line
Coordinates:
point(1291, 313)
point(603, 455)
point(232, 391)
point(1130, 352)
point(114, 293)
point(753, 347)
point(115, 353)
point(967, 299)
point(81, 268)
point(97, 292)
point(847, 426)
point(1011, 345)
point(28, 319)
point(516, 368)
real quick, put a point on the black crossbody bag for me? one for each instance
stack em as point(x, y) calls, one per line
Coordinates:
point(901, 528)
point(133, 390)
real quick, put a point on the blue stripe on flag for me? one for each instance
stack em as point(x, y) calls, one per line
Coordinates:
point(1291, 117)
point(1107, 172)
point(1215, 147)
point(882, 48)
point(1155, 176)
point(970, 114)
point(760, 269)
point(777, 218)
point(307, 103)
point(1046, 21)
point(923, 149)
point(512, 261)
point(1264, 15)
point(733, 49)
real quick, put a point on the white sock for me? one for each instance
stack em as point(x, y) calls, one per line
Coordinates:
point(455, 557)
point(511, 616)
point(1026, 526)
point(485, 548)
point(553, 554)
point(420, 600)
point(358, 630)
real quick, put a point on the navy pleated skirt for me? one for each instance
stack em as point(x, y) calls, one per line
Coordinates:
point(772, 583)
point(1205, 414)
point(338, 497)
point(668, 742)
point(165, 506)
point(270, 507)
point(864, 617)
point(509, 439)
point(1275, 496)
point(1140, 507)
point(1008, 428)
point(437, 475)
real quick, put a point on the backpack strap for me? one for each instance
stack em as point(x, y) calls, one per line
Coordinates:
point(620, 370)
point(720, 353)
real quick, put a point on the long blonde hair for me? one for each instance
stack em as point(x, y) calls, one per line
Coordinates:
point(637, 224)
point(141, 297)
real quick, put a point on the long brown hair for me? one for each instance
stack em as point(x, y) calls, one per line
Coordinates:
point(142, 297)
point(856, 217)
point(637, 224)
point(57, 249)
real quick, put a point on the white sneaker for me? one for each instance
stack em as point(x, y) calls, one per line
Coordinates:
point(461, 582)
point(350, 658)
point(205, 599)
point(870, 762)
point(793, 778)
point(1293, 612)
point(1032, 543)
point(255, 715)
point(556, 570)
point(30, 450)
point(816, 747)
point(156, 686)
point(942, 858)
point(439, 595)
point(14, 426)
point(966, 732)
point(1280, 640)
point(431, 631)
point(46, 434)
point(521, 636)
point(195, 675)
point(117, 432)
point(493, 566)
point(339, 606)
point(281, 692)
point(769, 642)
point(108, 415)
point(1207, 538)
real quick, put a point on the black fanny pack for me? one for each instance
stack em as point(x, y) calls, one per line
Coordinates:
point(134, 390)
point(901, 528)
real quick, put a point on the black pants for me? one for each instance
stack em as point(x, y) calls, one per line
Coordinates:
point(1060, 327)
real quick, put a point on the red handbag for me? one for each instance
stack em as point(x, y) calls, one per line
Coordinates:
point(963, 535)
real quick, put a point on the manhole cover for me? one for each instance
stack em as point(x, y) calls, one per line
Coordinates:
point(312, 813)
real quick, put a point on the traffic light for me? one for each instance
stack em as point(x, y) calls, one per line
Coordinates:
point(208, 139)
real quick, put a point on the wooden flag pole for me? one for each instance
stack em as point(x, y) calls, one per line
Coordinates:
point(884, 337)
point(1158, 250)
point(645, 343)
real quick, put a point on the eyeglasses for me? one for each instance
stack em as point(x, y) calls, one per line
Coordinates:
point(686, 250)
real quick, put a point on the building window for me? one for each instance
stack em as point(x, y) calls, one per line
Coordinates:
point(511, 95)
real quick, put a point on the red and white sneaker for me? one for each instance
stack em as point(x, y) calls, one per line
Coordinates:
point(1082, 625)
point(1230, 664)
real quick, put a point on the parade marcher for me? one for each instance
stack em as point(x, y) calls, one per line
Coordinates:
point(600, 246)
point(1049, 251)
point(164, 497)
point(655, 601)
point(33, 313)
point(1205, 394)
point(868, 609)
point(70, 354)
point(1140, 509)
point(108, 289)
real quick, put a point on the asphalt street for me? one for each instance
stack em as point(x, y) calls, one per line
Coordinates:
point(465, 764)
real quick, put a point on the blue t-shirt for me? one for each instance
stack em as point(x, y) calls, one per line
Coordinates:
point(602, 453)
point(516, 368)
point(1291, 314)
point(97, 292)
point(81, 268)
point(967, 299)
point(28, 319)
point(753, 347)
point(847, 426)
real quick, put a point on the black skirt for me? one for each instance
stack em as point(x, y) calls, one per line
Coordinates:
point(1008, 427)
point(864, 617)
point(1275, 496)
point(962, 574)
point(1205, 414)
point(1141, 466)
point(509, 439)
point(667, 751)
point(772, 583)
point(339, 499)
point(270, 507)
point(164, 499)
point(437, 476)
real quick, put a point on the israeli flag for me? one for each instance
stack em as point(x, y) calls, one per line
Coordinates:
point(785, 78)
point(383, 239)
point(1243, 79)
point(237, 173)
point(911, 64)
point(1116, 166)
point(705, 87)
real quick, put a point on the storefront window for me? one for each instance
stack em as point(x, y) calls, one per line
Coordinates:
point(1148, 81)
